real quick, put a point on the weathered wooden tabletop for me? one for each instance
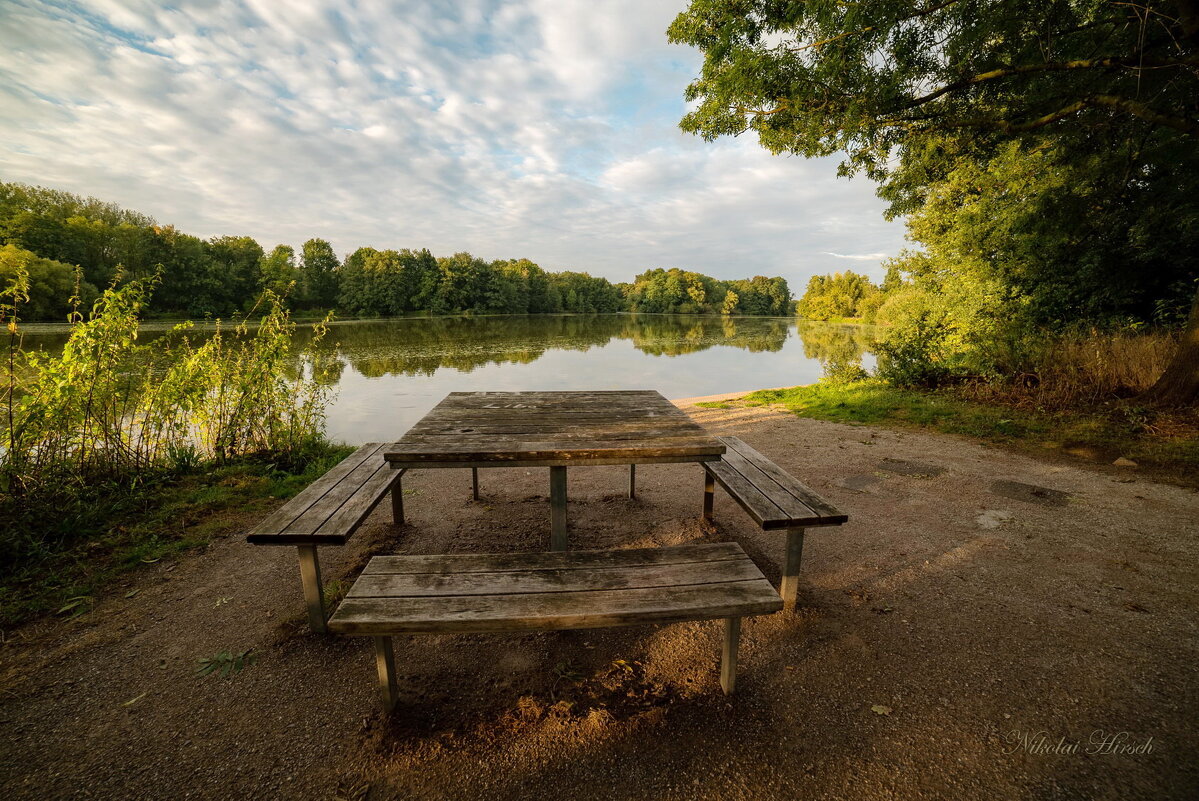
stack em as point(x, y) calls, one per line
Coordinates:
point(491, 429)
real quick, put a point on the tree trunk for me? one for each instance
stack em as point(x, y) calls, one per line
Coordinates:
point(1179, 384)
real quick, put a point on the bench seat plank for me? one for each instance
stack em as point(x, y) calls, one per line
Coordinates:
point(551, 580)
point(771, 496)
point(329, 509)
point(548, 598)
point(549, 611)
point(578, 560)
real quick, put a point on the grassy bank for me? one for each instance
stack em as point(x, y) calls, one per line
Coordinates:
point(1166, 446)
point(108, 533)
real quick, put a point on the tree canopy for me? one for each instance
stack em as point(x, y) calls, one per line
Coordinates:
point(1045, 152)
point(823, 76)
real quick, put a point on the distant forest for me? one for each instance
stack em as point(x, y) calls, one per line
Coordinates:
point(72, 247)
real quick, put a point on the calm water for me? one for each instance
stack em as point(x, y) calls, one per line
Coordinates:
point(390, 372)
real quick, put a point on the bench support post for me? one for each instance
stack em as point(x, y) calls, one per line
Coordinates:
point(474, 480)
point(789, 587)
point(728, 660)
point(709, 494)
point(632, 481)
point(385, 661)
point(558, 541)
point(397, 503)
point(310, 578)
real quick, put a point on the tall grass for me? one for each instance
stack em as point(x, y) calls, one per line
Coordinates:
point(111, 411)
point(1082, 370)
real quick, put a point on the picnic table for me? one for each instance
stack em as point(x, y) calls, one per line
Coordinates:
point(555, 430)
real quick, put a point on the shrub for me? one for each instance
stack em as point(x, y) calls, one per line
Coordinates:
point(111, 413)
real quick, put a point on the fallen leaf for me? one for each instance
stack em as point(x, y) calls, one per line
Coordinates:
point(133, 701)
point(132, 593)
point(879, 709)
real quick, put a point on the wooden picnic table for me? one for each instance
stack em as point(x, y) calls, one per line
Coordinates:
point(555, 430)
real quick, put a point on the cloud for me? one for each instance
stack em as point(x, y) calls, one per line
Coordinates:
point(860, 256)
point(545, 129)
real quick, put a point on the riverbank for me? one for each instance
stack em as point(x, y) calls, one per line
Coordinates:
point(108, 532)
point(976, 599)
point(1118, 434)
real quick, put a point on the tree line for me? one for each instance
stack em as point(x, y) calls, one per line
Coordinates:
point(72, 247)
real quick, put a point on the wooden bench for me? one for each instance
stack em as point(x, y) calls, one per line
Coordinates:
point(773, 498)
point(471, 593)
point(327, 512)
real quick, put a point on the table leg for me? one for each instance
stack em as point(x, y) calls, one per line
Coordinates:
point(558, 509)
point(397, 503)
point(709, 494)
point(474, 477)
point(632, 481)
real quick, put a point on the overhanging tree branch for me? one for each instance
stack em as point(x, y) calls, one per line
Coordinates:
point(1132, 63)
point(1136, 109)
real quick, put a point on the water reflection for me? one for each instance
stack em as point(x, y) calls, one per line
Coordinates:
point(390, 372)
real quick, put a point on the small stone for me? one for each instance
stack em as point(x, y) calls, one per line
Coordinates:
point(1123, 462)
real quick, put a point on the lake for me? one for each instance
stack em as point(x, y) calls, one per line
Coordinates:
point(390, 372)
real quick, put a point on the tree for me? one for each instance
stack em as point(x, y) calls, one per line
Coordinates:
point(277, 270)
point(909, 91)
point(318, 274)
point(236, 260)
point(51, 285)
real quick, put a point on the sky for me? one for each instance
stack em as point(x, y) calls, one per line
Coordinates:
point(540, 129)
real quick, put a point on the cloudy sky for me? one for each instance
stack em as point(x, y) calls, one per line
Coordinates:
point(545, 129)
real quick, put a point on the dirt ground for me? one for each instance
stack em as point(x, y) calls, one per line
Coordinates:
point(967, 635)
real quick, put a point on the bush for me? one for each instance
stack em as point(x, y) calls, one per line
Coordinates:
point(115, 413)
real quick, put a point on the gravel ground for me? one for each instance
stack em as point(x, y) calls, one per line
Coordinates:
point(967, 635)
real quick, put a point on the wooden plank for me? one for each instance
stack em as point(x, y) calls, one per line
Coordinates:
point(751, 499)
point(565, 439)
point(577, 560)
point(432, 461)
point(514, 582)
point(549, 611)
point(333, 500)
point(610, 430)
point(558, 432)
point(283, 517)
point(550, 404)
point(474, 429)
point(517, 444)
point(792, 508)
point(552, 420)
point(359, 505)
point(437, 414)
point(819, 506)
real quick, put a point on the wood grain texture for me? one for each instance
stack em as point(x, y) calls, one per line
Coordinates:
point(552, 428)
point(329, 510)
point(413, 585)
point(542, 611)
point(772, 497)
point(542, 591)
point(575, 560)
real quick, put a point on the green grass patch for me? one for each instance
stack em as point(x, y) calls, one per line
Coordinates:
point(103, 533)
point(1169, 447)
